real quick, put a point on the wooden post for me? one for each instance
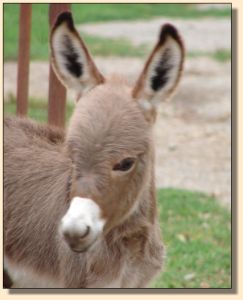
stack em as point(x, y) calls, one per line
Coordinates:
point(23, 59)
point(57, 92)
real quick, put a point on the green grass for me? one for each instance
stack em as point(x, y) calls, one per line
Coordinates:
point(222, 55)
point(196, 232)
point(37, 109)
point(114, 47)
point(84, 13)
point(219, 55)
point(196, 229)
point(108, 12)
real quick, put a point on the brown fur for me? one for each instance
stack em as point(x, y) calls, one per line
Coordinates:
point(37, 192)
point(44, 168)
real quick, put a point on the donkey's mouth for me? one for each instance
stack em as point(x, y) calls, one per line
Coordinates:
point(81, 250)
point(84, 247)
point(77, 245)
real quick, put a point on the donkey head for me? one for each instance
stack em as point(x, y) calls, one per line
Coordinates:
point(109, 139)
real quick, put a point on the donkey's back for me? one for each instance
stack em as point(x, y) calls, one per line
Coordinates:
point(19, 130)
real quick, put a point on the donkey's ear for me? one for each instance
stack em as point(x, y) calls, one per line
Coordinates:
point(161, 72)
point(70, 57)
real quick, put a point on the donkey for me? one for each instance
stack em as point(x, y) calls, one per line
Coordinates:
point(80, 206)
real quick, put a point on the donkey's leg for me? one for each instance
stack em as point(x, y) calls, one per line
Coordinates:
point(7, 281)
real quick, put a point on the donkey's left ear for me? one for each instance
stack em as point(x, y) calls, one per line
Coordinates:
point(161, 73)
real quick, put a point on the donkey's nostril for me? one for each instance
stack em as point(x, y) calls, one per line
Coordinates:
point(78, 240)
point(76, 234)
point(86, 233)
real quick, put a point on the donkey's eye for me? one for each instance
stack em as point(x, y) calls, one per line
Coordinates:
point(124, 165)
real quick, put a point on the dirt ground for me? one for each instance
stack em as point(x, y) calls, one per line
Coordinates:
point(205, 35)
point(193, 130)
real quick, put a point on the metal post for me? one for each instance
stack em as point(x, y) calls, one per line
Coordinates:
point(57, 92)
point(23, 59)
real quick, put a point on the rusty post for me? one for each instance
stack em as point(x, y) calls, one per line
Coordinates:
point(57, 92)
point(23, 59)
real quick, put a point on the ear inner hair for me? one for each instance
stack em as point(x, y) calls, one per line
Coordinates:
point(162, 71)
point(72, 58)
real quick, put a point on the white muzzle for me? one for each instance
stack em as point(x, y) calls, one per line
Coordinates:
point(82, 224)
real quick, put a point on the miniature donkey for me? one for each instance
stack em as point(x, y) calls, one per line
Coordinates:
point(80, 207)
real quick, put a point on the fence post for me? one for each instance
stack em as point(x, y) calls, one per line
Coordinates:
point(57, 92)
point(23, 59)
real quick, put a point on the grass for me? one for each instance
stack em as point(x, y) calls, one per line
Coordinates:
point(109, 12)
point(219, 55)
point(197, 234)
point(37, 109)
point(84, 13)
point(196, 230)
point(222, 55)
point(114, 47)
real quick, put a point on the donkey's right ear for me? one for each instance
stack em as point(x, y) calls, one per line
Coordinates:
point(70, 57)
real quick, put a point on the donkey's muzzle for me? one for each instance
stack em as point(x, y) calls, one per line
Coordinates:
point(82, 224)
